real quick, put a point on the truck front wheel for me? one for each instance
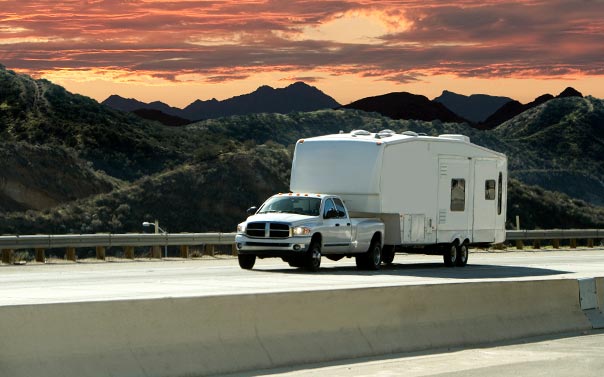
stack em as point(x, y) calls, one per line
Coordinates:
point(312, 260)
point(246, 261)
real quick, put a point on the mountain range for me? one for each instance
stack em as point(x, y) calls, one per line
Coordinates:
point(71, 165)
point(295, 97)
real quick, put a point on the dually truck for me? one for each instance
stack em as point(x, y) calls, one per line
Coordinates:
point(398, 192)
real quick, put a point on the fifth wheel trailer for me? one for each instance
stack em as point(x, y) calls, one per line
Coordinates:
point(435, 195)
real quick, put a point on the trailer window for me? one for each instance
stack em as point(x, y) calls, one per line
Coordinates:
point(500, 192)
point(458, 195)
point(489, 189)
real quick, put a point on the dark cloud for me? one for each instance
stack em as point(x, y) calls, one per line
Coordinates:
point(229, 40)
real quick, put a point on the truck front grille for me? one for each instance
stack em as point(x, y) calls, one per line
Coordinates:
point(267, 230)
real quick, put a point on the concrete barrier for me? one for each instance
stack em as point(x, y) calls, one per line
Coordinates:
point(600, 292)
point(209, 335)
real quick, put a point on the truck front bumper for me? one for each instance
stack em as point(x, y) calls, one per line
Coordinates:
point(269, 247)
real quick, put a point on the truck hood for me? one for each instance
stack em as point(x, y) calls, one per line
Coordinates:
point(291, 218)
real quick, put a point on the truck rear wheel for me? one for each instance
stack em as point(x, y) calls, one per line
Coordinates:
point(462, 255)
point(312, 259)
point(450, 255)
point(246, 261)
point(371, 259)
point(387, 254)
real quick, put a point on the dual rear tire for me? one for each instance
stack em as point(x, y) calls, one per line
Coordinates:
point(371, 259)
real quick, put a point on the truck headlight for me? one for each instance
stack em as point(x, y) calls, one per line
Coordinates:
point(301, 231)
point(241, 228)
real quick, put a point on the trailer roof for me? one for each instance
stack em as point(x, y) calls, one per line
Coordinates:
point(391, 137)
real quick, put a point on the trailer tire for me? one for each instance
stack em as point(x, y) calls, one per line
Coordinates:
point(450, 255)
point(246, 261)
point(462, 255)
point(387, 254)
point(312, 259)
point(372, 258)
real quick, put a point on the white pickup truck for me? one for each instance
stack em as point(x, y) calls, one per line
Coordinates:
point(300, 228)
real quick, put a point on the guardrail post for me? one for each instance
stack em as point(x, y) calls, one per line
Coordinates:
point(40, 257)
point(556, 244)
point(519, 245)
point(184, 251)
point(70, 254)
point(100, 252)
point(590, 242)
point(129, 252)
point(234, 250)
point(573, 243)
point(209, 250)
point(155, 252)
point(536, 244)
point(7, 256)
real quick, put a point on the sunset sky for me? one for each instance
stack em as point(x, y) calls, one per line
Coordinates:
point(179, 51)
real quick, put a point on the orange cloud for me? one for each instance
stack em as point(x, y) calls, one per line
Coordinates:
point(219, 41)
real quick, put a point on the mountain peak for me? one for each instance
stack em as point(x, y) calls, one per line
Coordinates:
point(299, 84)
point(570, 92)
point(404, 105)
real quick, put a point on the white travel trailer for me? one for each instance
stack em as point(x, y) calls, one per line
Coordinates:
point(435, 195)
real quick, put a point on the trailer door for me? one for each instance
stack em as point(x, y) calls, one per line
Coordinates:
point(485, 200)
point(455, 204)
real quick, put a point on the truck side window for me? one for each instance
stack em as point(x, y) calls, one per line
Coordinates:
point(328, 206)
point(458, 195)
point(340, 207)
point(500, 192)
point(489, 189)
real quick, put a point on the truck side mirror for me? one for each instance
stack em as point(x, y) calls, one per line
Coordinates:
point(252, 210)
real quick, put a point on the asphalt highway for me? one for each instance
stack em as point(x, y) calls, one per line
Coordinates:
point(142, 279)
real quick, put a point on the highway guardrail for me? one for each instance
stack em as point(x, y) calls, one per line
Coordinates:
point(130, 240)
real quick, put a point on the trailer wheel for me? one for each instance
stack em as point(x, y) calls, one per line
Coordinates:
point(387, 254)
point(450, 255)
point(246, 261)
point(462, 255)
point(312, 259)
point(371, 259)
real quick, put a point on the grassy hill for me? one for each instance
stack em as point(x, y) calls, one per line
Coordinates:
point(71, 165)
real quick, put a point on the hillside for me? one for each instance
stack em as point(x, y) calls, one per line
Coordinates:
point(514, 108)
point(70, 164)
point(405, 105)
point(124, 146)
point(295, 97)
point(559, 145)
point(476, 108)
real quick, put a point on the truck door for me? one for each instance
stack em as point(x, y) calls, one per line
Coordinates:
point(337, 227)
point(485, 200)
point(454, 199)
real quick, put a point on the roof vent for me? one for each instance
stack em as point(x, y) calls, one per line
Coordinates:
point(463, 138)
point(360, 133)
point(386, 133)
point(409, 133)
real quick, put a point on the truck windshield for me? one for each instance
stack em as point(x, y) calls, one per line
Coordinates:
point(292, 204)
